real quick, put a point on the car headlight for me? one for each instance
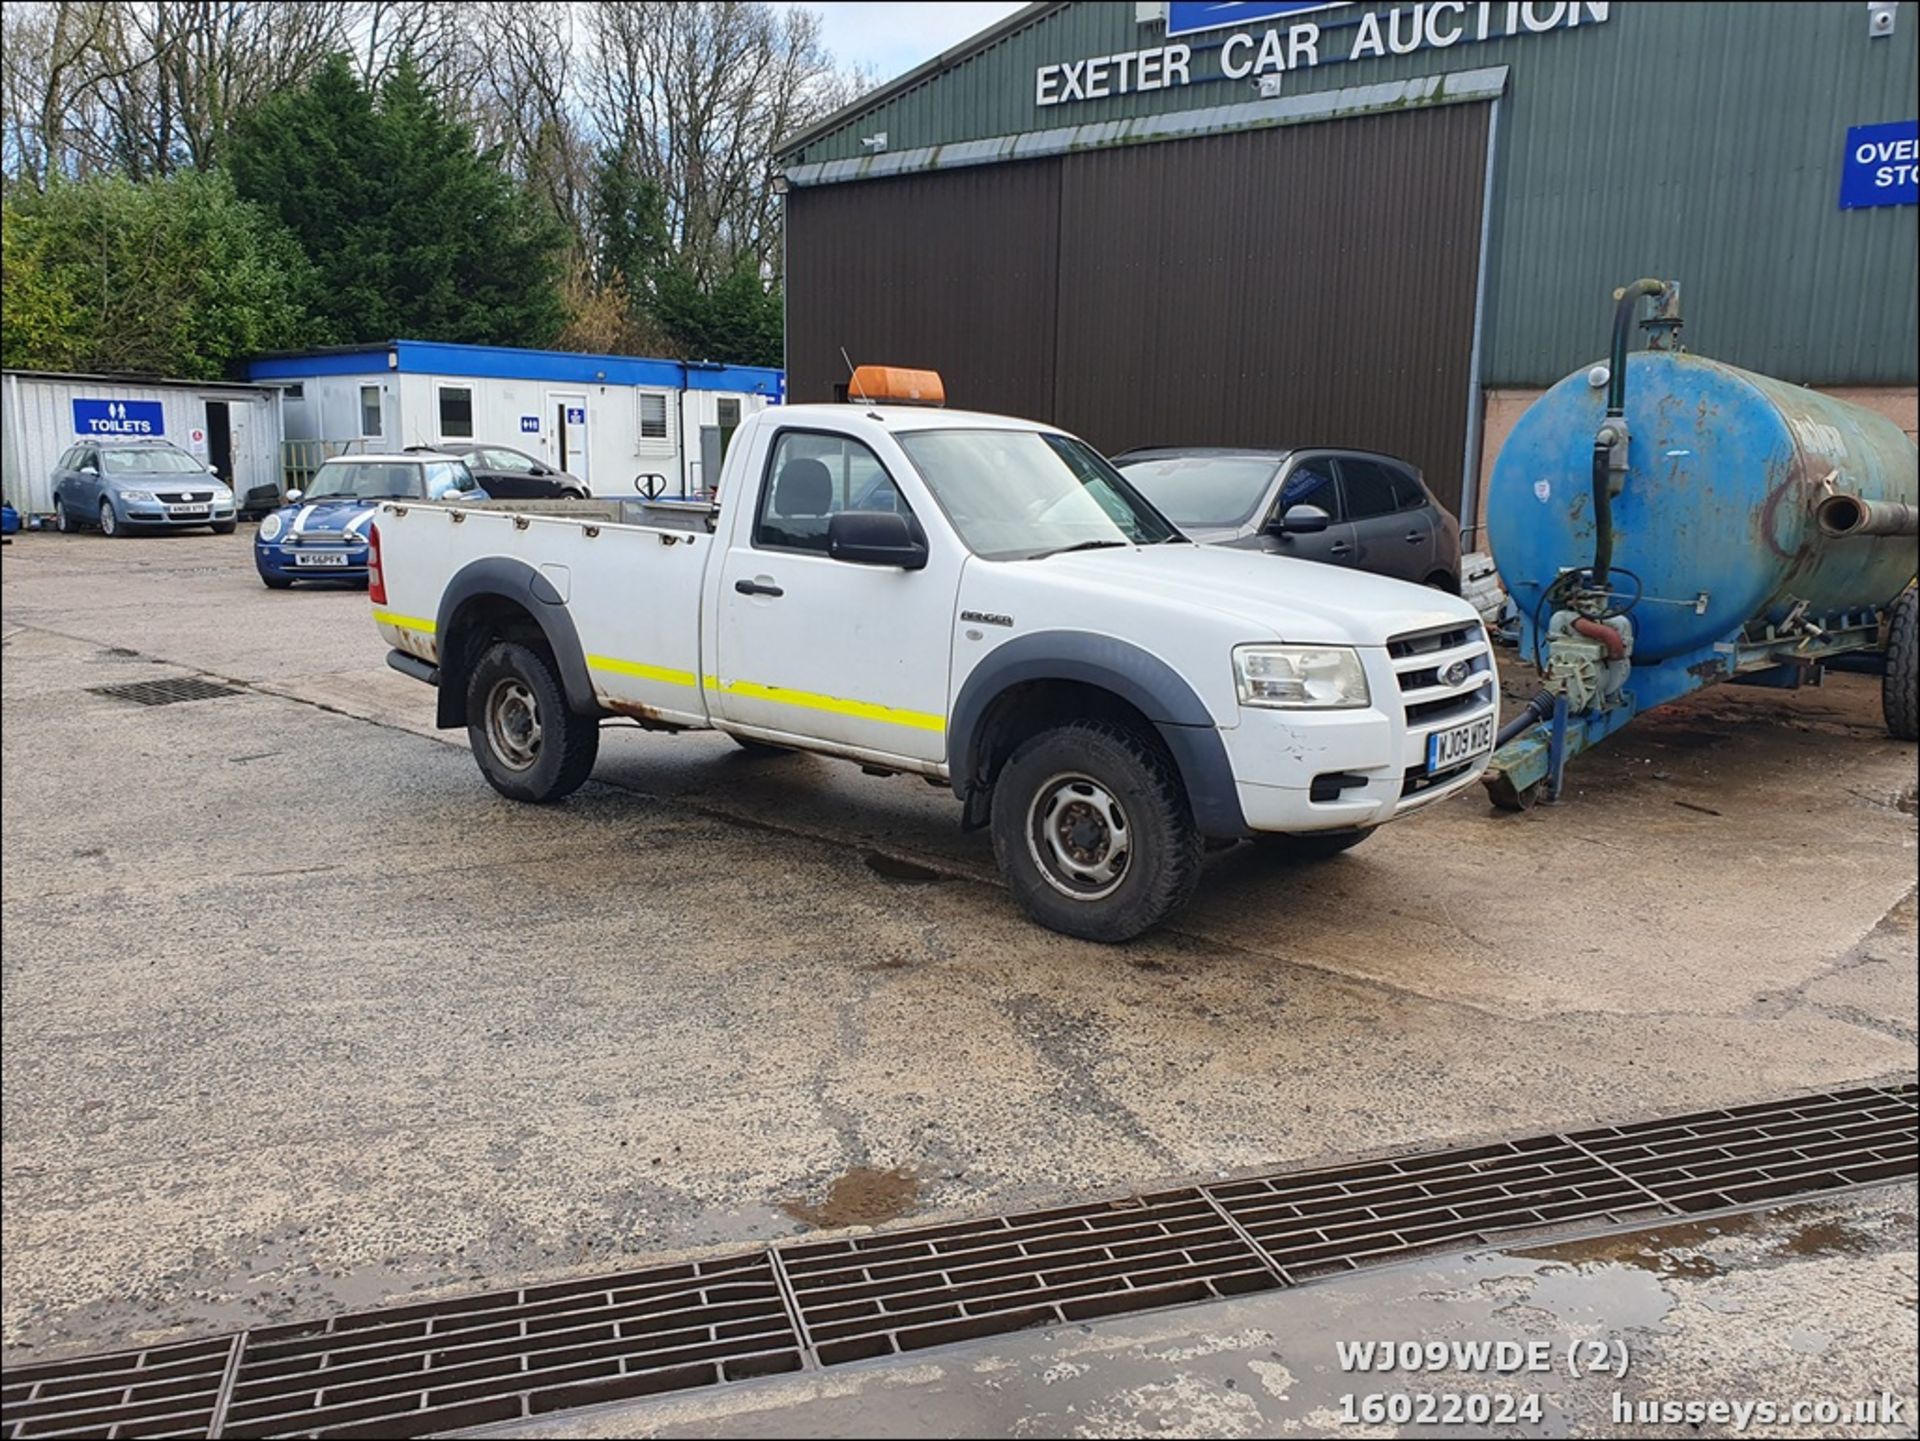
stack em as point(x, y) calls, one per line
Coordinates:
point(1300, 677)
point(144, 497)
point(271, 527)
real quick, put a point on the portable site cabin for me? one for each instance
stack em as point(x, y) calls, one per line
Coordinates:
point(235, 428)
point(621, 423)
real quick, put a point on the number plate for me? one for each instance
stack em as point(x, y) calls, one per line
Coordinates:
point(320, 557)
point(1448, 748)
point(188, 512)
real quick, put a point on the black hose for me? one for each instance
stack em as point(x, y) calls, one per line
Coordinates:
point(1537, 710)
point(1602, 519)
point(1626, 301)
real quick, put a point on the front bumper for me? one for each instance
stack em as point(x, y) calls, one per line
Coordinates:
point(1370, 764)
point(283, 561)
point(151, 517)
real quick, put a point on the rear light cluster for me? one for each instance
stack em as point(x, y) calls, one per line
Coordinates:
point(376, 580)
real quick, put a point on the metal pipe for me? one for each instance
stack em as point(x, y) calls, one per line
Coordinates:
point(1849, 515)
point(1602, 511)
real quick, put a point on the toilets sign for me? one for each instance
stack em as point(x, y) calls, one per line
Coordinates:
point(1270, 40)
point(119, 419)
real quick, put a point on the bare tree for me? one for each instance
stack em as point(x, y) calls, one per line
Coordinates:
point(524, 102)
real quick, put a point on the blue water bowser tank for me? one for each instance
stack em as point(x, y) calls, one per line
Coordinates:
point(1718, 522)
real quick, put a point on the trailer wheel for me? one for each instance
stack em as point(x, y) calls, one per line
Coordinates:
point(530, 746)
point(1092, 831)
point(1900, 686)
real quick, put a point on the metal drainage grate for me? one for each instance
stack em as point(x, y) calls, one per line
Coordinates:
point(872, 1295)
point(162, 1391)
point(164, 692)
point(502, 1356)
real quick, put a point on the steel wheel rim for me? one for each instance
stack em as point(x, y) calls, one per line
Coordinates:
point(1079, 836)
point(513, 724)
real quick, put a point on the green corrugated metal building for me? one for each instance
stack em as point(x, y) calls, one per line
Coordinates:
point(1422, 199)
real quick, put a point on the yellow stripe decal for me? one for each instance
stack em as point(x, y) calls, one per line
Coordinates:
point(778, 695)
point(660, 673)
point(835, 705)
point(405, 622)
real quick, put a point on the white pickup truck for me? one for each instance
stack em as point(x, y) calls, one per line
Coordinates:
point(979, 600)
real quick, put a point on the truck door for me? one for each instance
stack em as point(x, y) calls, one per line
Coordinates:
point(855, 655)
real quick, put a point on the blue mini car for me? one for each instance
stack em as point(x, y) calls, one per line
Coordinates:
point(321, 532)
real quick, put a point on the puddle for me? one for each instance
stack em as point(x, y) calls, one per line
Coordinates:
point(1645, 1251)
point(896, 869)
point(862, 1197)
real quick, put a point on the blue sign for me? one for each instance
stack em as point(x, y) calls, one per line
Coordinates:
point(119, 419)
point(576, 415)
point(1882, 165)
point(529, 425)
point(1185, 17)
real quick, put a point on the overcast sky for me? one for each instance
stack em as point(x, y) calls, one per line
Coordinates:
point(893, 38)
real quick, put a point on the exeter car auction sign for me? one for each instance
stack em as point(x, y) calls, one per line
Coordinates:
point(119, 419)
point(1303, 43)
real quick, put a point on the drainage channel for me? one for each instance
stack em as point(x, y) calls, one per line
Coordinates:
point(467, 1361)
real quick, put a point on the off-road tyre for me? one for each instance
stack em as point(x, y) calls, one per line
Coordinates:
point(1311, 845)
point(1131, 792)
point(1900, 685)
point(530, 745)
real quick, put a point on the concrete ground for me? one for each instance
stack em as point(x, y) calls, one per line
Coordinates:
point(299, 1015)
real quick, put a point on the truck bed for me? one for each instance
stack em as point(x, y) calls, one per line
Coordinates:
point(610, 510)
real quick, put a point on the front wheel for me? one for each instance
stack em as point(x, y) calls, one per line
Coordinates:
point(530, 746)
point(110, 525)
point(1093, 832)
point(224, 527)
point(1900, 685)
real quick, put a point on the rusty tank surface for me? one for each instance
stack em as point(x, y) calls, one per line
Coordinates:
point(1719, 517)
point(1663, 521)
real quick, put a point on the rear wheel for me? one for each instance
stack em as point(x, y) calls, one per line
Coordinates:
point(63, 518)
point(1093, 832)
point(110, 525)
point(530, 745)
point(1900, 685)
point(1311, 845)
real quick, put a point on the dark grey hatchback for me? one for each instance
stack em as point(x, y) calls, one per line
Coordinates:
point(1344, 507)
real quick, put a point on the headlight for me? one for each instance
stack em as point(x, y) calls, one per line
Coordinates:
point(145, 497)
point(271, 527)
point(1300, 677)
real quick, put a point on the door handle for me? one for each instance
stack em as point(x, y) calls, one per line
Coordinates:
point(1413, 537)
point(754, 587)
point(1339, 547)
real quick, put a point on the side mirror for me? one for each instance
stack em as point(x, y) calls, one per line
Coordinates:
point(89, 470)
point(875, 537)
point(294, 494)
point(1301, 520)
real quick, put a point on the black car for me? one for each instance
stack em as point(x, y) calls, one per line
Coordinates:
point(507, 474)
point(1344, 507)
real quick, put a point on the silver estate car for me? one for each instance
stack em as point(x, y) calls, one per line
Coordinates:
point(127, 486)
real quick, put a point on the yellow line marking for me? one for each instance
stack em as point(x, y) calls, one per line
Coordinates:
point(405, 622)
point(664, 674)
point(778, 695)
point(835, 705)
